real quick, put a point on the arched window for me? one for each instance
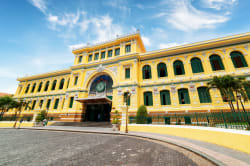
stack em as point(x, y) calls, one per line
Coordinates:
point(178, 68)
point(148, 99)
point(196, 65)
point(33, 88)
point(238, 59)
point(216, 62)
point(165, 97)
point(61, 84)
point(126, 98)
point(162, 70)
point(183, 96)
point(204, 95)
point(146, 70)
point(40, 87)
point(46, 86)
point(53, 85)
point(27, 88)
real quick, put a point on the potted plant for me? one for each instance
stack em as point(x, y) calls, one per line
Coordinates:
point(116, 121)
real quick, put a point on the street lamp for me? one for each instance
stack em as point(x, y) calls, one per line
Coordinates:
point(127, 98)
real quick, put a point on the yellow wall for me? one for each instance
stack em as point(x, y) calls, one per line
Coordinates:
point(135, 60)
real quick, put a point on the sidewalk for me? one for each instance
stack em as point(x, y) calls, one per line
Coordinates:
point(219, 154)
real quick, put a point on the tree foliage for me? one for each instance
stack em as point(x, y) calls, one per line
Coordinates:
point(141, 115)
point(41, 116)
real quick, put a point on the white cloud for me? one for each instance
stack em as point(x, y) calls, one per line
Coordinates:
point(77, 46)
point(185, 17)
point(218, 4)
point(146, 41)
point(119, 4)
point(40, 4)
point(67, 19)
point(167, 45)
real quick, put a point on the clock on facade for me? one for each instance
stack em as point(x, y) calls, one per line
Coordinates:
point(100, 86)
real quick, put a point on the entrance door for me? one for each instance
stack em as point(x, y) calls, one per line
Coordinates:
point(98, 112)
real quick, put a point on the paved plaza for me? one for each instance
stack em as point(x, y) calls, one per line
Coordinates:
point(35, 147)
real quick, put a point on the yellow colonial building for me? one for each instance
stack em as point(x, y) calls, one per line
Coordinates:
point(166, 80)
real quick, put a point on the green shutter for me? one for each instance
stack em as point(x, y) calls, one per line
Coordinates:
point(76, 79)
point(217, 58)
point(71, 102)
point(34, 104)
point(128, 48)
point(27, 88)
point(90, 58)
point(54, 85)
point(127, 73)
point(166, 94)
point(41, 103)
point(185, 95)
point(110, 53)
point(117, 51)
point(33, 88)
point(96, 56)
point(235, 54)
point(61, 84)
point(144, 69)
point(102, 55)
point(80, 59)
point(196, 65)
point(178, 63)
point(161, 66)
point(204, 95)
point(48, 103)
point(56, 104)
point(40, 87)
point(150, 98)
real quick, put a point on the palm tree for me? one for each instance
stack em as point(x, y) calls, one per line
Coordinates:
point(224, 84)
point(6, 103)
point(240, 87)
point(19, 106)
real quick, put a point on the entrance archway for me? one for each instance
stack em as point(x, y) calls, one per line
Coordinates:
point(98, 104)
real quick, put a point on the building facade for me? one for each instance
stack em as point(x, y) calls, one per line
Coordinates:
point(167, 80)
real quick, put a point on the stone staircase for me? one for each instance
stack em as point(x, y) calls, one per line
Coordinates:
point(84, 124)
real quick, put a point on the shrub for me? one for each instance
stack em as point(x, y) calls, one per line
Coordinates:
point(116, 117)
point(141, 115)
point(41, 116)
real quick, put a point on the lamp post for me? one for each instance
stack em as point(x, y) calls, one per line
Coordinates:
point(127, 97)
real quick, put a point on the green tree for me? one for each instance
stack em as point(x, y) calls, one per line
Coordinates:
point(225, 84)
point(141, 115)
point(19, 106)
point(6, 103)
point(41, 116)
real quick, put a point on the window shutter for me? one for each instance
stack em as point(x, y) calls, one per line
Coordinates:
point(221, 64)
point(179, 94)
point(150, 99)
point(168, 98)
point(186, 97)
point(243, 61)
point(145, 98)
point(127, 73)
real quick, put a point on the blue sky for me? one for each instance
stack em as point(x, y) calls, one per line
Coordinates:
point(37, 36)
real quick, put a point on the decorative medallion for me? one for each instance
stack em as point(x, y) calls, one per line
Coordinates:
point(133, 90)
point(100, 68)
point(155, 90)
point(192, 87)
point(119, 91)
point(173, 89)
